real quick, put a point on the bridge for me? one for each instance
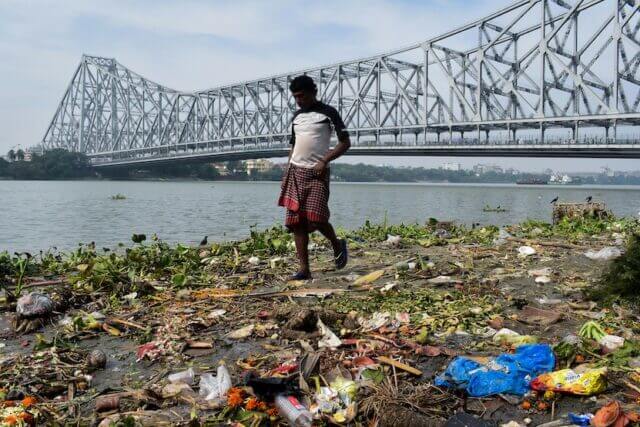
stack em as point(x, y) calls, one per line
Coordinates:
point(540, 78)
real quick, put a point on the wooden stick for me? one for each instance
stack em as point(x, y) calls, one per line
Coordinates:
point(539, 243)
point(125, 323)
point(199, 344)
point(44, 283)
point(631, 386)
point(399, 365)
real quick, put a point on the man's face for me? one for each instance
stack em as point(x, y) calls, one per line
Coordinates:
point(304, 98)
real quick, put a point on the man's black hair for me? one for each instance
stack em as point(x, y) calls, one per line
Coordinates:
point(303, 84)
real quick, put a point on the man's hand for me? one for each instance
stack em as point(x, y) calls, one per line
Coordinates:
point(320, 167)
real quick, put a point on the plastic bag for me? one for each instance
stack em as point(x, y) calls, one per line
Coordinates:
point(526, 251)
point(611, 343)
point(604, 254)
point(215, 388)
point(502, 237)
point(508, 373)
point(507, 336)
point(591, 382)
point(34, 305)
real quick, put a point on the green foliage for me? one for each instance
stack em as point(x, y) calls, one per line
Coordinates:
point(437, 311)
point(579, 228)
point(273, 241)
point(424, 235)
point(53, 164)
point(13, 270)
point(621, 280)
point(178, 266)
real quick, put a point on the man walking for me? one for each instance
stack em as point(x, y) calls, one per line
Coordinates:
point(305, 185)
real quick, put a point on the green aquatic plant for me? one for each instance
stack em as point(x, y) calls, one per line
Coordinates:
point(13, 270)
point(621, 279)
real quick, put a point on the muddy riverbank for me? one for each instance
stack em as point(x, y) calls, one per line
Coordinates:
point(379, 333)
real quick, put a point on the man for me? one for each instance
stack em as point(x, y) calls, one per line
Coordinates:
point(305, 185)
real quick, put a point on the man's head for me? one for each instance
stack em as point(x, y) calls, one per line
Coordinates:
point(304, 91)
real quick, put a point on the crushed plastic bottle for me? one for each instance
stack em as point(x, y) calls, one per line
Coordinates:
point(293, 411)
point(215, 388)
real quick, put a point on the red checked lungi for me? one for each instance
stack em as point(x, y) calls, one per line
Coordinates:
point(305, 195)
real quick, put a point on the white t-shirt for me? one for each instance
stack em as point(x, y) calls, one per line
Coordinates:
point(311, 133)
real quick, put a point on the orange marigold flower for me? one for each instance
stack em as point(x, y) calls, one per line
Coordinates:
point(262, 406)
point(11, 420)
point(29, 401)
point(273, 412)
point(252, 404)
point(235, 397)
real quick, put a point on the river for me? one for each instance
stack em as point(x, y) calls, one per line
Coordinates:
point(38, 215)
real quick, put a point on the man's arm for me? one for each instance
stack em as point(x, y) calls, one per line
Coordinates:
point(344, 143)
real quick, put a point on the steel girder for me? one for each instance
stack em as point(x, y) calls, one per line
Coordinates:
point(534, 74)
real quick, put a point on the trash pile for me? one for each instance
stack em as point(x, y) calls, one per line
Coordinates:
point(434, 324)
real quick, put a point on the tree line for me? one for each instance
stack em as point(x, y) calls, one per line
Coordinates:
point(62, 164)
point(53, 164)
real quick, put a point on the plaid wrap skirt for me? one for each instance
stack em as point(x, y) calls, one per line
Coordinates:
point(305, 195)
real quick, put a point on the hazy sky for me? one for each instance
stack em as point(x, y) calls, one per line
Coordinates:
point(196, 44)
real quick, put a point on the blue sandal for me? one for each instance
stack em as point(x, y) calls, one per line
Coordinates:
point(343, 256)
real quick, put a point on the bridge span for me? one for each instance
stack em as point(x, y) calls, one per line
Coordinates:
point(539, 78)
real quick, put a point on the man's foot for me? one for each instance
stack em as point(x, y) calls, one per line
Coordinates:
point(343, 256)
point(301, 275)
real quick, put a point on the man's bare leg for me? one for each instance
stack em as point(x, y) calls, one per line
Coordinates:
point(340, 252)
point(301, 237)
point(327, 231)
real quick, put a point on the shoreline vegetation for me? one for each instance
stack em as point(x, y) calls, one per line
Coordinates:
point(63, 165)
point(96, 334)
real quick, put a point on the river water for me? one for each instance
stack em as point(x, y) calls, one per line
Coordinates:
point(37, 215)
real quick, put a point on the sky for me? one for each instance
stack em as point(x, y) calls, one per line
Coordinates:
point(197, 44)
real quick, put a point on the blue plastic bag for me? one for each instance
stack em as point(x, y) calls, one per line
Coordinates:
point(508, 373)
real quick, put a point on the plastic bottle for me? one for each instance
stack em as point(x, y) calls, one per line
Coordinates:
point(293, 411)
point(186, 377)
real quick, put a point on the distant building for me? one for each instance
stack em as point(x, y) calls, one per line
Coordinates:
point(28, 155)
point(481, 169)
point(608, 172)
point(512, 171)
point(455, 167)
point(256, 166)
point(221, 168)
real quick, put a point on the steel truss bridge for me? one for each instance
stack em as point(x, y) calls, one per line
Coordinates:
point(541, 78)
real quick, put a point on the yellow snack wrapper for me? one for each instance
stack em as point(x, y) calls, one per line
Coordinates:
point(588, 383)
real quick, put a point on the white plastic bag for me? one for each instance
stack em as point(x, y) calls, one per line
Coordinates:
point(215, 388)
point(604, 254)
point(611, 342)
point(525, 251)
